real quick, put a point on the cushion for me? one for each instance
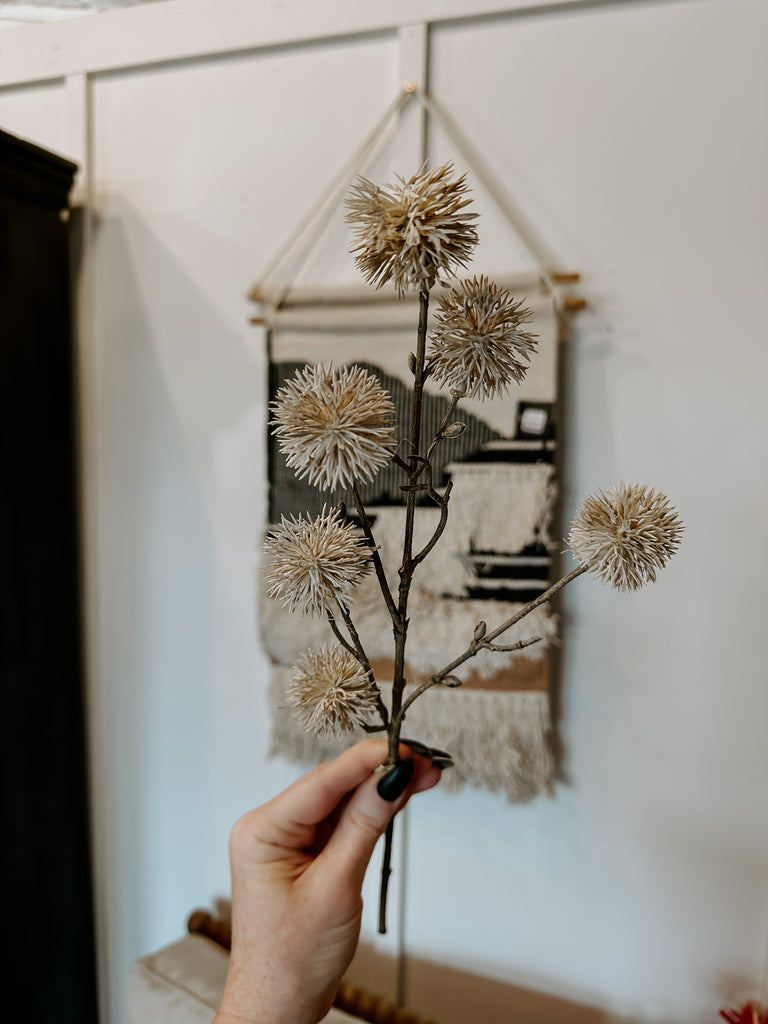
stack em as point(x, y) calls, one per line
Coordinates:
point(182, 984)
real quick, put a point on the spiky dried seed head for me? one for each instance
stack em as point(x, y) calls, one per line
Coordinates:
point(625, 534)
point(329, 691)
point(413, 231)
point(314, 563)
point(478, 344)
point(335, 426)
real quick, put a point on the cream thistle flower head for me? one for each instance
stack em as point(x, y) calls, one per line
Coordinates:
point(412, 231)
point(335, 426)
point(623, 535)
point(330, 691)
point(314, 562)
point(478, 345)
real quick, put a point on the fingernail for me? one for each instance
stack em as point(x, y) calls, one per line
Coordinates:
point(417, 747)
point(442, 754)
point(393, 784)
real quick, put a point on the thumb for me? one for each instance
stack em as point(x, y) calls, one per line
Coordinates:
point(364, 820)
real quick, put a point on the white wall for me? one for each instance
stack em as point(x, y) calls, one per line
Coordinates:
point(632, 135)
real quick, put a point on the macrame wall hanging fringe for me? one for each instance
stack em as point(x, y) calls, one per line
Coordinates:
point(497, 550)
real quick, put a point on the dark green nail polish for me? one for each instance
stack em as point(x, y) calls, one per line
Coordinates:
point(392, 785)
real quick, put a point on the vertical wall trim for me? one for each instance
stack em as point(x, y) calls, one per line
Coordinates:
point(79, 132)
point(414, 71)
point(76, 89)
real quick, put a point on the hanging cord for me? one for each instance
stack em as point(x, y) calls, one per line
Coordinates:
point(300, 244)
point(302, 241)
point(473, 161)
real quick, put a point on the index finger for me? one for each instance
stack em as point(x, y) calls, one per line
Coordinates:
point(314, 796)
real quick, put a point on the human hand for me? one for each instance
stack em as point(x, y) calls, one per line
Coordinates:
point(298, 865)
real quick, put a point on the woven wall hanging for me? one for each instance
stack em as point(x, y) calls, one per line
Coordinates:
point(496, 553)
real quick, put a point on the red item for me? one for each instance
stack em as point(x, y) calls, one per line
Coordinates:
point(749, 1013)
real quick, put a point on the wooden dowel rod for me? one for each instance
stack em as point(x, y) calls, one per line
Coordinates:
point(565, 276)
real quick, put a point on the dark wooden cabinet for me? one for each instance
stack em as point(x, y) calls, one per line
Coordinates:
point(47, 894)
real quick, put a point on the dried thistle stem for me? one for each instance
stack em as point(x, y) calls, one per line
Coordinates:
point(486, 642)
point(400, 623)
point(407, 566)
point(439, 677)
point(446, 422)
point(359, 652)
point(378, 566)
point(386, 871)
point(526, 609)
point(338, 634)
point(442, 501)
point(356, 650)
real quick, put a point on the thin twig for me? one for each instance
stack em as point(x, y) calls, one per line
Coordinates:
point(432, 681)
point(375, 556)
point(446, 422)
point(541, 599)
point(339, 635)
point(359, 652)
point(438, 678)
point(386, 871)
point(381, 707)
point(419, 464)
point(505, 648)
point(484, 642)
point(442, 501)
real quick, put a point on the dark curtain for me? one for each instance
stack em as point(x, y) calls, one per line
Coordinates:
point(47, 901)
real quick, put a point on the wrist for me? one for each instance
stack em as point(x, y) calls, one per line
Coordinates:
point(248, 1007)
point(225, 1016)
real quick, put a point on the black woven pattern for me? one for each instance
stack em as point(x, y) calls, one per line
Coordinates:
point(289, 496)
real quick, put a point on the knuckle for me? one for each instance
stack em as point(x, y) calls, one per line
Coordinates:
point(367, 822)
point(244, 831)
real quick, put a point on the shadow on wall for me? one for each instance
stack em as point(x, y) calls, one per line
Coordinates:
point(444, 995)
point(156, 565)
point(170, 385)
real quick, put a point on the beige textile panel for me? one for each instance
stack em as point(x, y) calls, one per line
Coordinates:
point(494, 556)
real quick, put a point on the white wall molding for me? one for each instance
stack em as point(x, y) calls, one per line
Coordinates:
point(79, 135)
point(414, 74)
point(184, 29)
